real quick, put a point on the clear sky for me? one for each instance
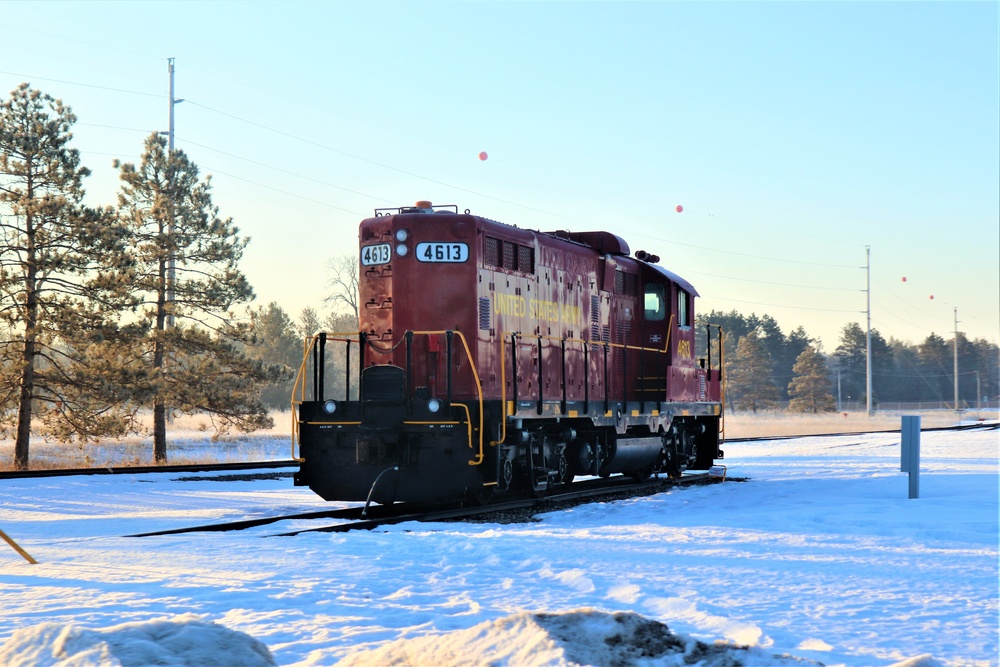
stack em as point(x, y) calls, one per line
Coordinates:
point(794, 134)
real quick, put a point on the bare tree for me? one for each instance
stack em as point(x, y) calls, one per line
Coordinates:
point(343, 281)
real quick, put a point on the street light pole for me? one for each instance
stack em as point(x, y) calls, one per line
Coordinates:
point(171, 267)
point(957, 409)
point(868, 336)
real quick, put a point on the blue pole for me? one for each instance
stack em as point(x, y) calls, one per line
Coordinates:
point(910, 458)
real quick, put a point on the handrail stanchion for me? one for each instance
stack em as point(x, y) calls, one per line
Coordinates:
point(448, 355)
point(562, 348)
point(347, 374)
point(322, 366)
point(409, 372)
point(541, 381)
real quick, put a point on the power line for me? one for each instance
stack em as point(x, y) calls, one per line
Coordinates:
point(84, 85)
point(116, 127)
point(283, 171)
point(778, 305)
point(15, 28)
point(765, 282)
point(742, 254)
point(284, 192)
point(374, 162)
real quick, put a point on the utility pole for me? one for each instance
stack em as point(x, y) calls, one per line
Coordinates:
point(171, 258)
point(868, 337)
point(839, 402)
point(979, 395)
point(958, 410)
point(171, 265)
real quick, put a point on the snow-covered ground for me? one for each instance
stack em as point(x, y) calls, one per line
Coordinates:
point(820, 555)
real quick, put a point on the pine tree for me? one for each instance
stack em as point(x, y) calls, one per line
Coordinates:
point(62, 279)
point(277, 344)
point(936, 365)
point(749, 375)
point(810, 389)
point(851, 359)
point(309, 323)
point(188, 276)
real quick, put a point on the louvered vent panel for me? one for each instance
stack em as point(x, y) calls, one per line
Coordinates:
point(484, 314)
point(595, 318)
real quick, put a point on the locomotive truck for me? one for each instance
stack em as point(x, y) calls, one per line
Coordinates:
point(491, 359)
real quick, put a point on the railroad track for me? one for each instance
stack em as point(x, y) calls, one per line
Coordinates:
point(981, 426)
point(356, 518)
point(137, 470)
point(289, 463)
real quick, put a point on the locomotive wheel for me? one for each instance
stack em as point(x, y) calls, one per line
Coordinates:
point(508, 473)
point(565, 476)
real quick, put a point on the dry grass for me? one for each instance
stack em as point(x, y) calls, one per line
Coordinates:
point(189, 441)
point(764, 424)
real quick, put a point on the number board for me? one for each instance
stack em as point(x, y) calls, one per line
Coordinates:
point(442, 252)
point(379, 253)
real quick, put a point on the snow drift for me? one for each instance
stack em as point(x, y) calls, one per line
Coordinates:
point(581, 638)
point(181, 641)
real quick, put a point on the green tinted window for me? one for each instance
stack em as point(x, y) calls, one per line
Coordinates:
point(655, 302)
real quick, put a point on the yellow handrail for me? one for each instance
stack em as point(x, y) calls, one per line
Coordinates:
point(479, 390)
point(299, 386)
point(593, 343)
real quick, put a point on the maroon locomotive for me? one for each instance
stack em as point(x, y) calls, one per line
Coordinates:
point(492, 358)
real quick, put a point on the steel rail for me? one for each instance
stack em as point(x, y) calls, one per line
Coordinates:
point(136, 470)
point(595, 490)
point(349, 513)
point(391, 514)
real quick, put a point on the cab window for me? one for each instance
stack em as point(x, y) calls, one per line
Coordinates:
point(655, 302)
point(683, 319)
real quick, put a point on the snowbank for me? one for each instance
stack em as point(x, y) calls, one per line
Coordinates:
point(575, 639)
point(181, 641)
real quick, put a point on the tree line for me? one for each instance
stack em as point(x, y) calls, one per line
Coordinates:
point(765, 367)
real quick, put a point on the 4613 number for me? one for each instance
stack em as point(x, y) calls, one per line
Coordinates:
point(442, 252)
point(375, 254)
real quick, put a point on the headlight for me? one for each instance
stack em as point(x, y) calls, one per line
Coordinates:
point(330, 407)
point(401, 235)
point(433, 405)
point(401, 250)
